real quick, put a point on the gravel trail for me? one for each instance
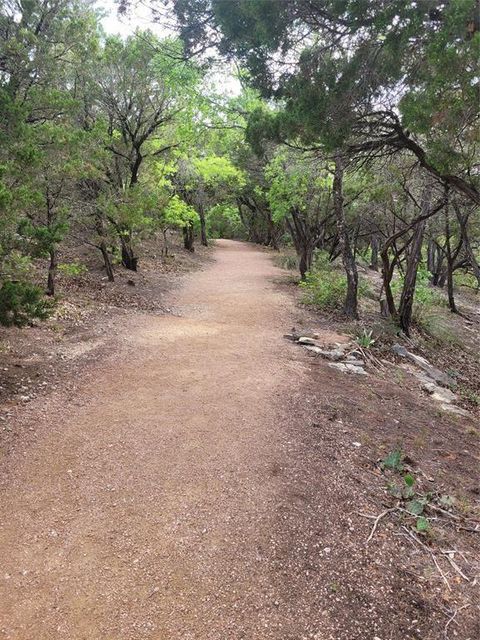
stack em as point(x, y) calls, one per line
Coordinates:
point(144, 507)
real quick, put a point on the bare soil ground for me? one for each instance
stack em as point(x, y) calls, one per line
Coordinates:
point(199, 477)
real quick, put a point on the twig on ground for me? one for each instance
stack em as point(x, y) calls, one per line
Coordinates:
point(447, 513)
point(447, 554)
point(424, 546)
point(440, 571)
point(377, 520)
point(452, 618)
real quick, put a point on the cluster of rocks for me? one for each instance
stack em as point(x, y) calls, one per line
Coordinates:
point(348, 358)
point(438, 384)
point(342, 356)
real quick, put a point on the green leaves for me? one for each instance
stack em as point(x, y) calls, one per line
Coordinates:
point(21, 302)
point(422, 525)
point(178, 213)
point(415, 507)
point(393, 460)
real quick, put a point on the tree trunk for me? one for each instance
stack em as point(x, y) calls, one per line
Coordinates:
point(273, 242)
point(203, 226)
point(450, 260)
point(351, 300)
point(129, 260)
point(302, 241)
point(106, 261)
point(52, 270)
point(388, 307)
point(99, 228)
point(188, 237)
point(165, 243)
point(305, 262)
point(414, 257)
point(374, 257)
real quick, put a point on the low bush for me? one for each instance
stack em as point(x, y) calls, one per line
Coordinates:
point(287, 262)
point(72, 269)
point(325, 286)
point(21, 302)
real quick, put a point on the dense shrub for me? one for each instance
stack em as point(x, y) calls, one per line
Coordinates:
point(21, 302)
point(325, 286)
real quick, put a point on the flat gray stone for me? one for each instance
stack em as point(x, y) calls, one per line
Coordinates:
point(432, 372)
point(399, 350)
point(307, 340)
point(313, 349)
point(355, 369)
point(355, 361)
point(348, 368)
point(452, 408)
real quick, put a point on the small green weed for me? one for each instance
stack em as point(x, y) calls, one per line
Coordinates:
point(420, 508)
point(365, 339)
point(393, 460)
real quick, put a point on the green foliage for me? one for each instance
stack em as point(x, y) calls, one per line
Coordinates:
point(325, 286)
point(365, 339)
point(393, 460)
point(179, 214)
point(72, 269)
point(422, 525)
point(223, 221)
point(215, 170)
point(324, 289)
point(21, 302)
point(415, 507)
point(467, 280)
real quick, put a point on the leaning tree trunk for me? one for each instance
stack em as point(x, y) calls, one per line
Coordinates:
point(188, 238)
point(52, 271)
point(106, 261)
point(99, 227)
point(408, 292)
point(129, 260)
point(348, 259)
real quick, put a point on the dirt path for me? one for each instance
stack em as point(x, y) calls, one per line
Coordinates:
point(143, 511)
point(184, 490)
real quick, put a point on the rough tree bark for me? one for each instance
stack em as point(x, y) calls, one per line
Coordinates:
point(374, 257)
point(450, 261)
point(129, 260)
point(303, 241)
point(99, 228)
point(408, 291)
point(52, 271)
point(188, 238)
point(351, 299)
point(203, 225)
